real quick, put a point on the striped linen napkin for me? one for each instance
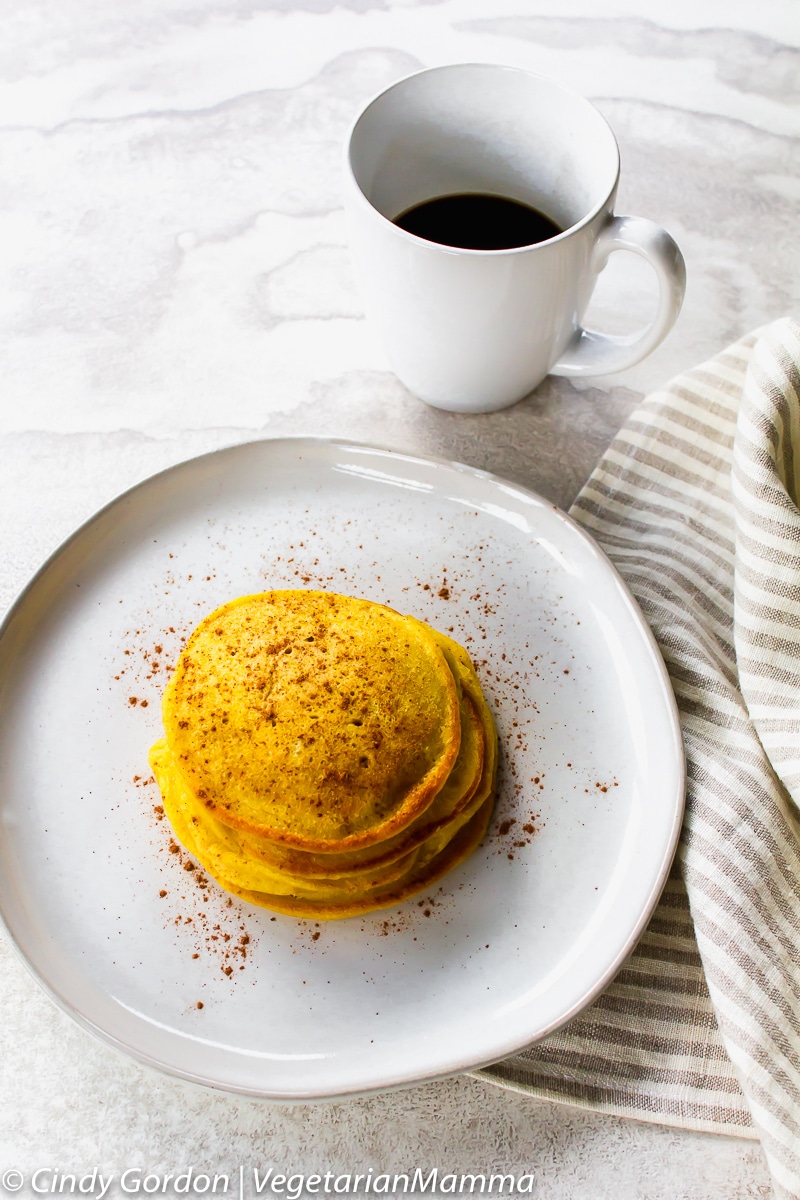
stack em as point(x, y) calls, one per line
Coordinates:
point(696, 502)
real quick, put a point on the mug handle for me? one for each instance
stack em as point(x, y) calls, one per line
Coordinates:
point(593, 353)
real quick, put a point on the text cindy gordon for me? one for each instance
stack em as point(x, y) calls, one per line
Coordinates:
point(256, 1182)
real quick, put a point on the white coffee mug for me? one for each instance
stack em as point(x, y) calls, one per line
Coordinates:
point(476, 330)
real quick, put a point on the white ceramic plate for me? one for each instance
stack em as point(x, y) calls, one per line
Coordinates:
point(507, 948)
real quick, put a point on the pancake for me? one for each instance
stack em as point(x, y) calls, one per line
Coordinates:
point(226, 854)
point(471, 781)
point(467, 840)
point(452, 798)
point(466, 675)
point(314, 720)
point(223, 852)
point(324, 756)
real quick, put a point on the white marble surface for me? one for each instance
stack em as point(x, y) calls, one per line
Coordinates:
point(174, 277)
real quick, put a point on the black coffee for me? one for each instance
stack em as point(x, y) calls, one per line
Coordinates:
point(474, 221)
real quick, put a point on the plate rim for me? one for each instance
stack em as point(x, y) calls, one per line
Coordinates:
point(661, 676)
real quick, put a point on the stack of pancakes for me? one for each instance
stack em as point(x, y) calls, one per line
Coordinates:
point(324, 756)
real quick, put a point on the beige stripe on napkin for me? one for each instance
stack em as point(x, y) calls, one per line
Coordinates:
point(696, 503)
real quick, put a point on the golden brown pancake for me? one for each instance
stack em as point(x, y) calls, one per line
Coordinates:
point(324, 756)
point(225, 854)
point(313, 720)
point(468, 838)
point(457, 792)
point(221, 850)
point(470, 782)
point(465, 673)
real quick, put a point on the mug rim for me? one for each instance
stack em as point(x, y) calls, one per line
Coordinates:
point(569, 232)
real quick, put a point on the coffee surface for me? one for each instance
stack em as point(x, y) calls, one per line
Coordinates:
point(476, 221)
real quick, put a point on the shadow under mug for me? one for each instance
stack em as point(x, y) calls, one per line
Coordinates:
point(476, 330)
